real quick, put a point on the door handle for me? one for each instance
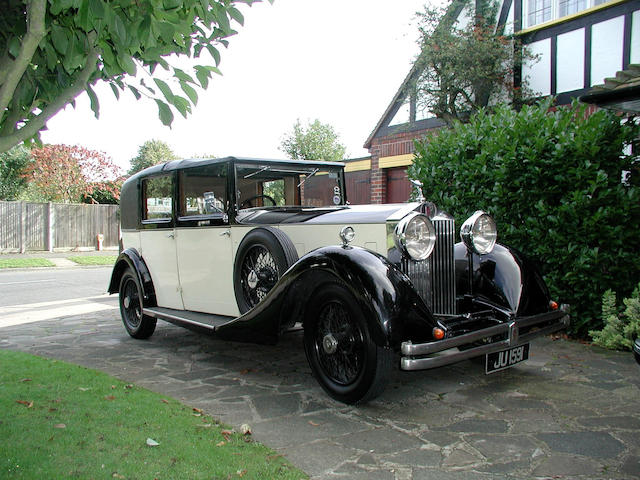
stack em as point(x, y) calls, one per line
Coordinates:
point(227, 232)
point(171, 235)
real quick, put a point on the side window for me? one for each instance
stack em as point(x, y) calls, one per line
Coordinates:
point(203, 191)
point(156, 198)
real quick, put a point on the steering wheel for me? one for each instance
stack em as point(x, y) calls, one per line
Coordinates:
point(247, 203)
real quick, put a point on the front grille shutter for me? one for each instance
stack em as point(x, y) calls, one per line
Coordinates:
point(434, 278)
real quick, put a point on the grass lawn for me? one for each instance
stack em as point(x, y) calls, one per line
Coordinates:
point(24, 262)
point(59, 420)
point(94, 259)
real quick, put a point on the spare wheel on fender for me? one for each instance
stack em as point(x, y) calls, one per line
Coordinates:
point(263, 256)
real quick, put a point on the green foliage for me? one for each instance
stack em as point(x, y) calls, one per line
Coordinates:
point(612, 335)
point(632, 315)
point(275, 189)
point(53, 50)
point(465, 68)
point(621, 327)
point(552, 180)
point(12, 165)
point(151, 153)
point(316, 141)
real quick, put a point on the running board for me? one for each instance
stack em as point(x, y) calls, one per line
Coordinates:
point(187, 317)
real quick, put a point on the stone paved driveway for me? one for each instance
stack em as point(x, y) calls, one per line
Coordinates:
point(570, 412)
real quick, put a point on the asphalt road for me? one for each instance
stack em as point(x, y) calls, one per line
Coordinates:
point(34, 295)
point(25, 286)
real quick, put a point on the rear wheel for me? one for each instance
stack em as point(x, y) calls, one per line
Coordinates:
point(349, 366)
point(135, 322)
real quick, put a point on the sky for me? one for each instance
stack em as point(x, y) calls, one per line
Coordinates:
point(339, 61)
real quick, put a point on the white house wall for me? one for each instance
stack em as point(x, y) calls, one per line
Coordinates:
point(606, 49)
point(538, 73)
point(579, 51)
point(635, 37)
point(570, 61)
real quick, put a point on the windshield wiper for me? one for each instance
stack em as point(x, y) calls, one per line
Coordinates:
point(257, 172)
point(308, 177)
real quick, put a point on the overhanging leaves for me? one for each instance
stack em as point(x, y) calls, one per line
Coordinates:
point(95, 105)
point(85, 41)
point(166, 116)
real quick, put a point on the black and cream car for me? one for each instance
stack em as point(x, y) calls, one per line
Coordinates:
point(249, 248)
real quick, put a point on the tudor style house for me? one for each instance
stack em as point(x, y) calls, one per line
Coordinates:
point(579, 44)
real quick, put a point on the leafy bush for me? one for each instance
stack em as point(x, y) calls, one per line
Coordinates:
point(621, 327)
point(12, 164)
point(552, 180)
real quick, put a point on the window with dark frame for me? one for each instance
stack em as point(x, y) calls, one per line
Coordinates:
point(537, 12)
point(157, 199)
point(203, 191)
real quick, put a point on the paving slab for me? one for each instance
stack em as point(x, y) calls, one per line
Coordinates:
point(571, 412)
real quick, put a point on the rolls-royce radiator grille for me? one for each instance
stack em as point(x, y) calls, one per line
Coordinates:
point(434, 278)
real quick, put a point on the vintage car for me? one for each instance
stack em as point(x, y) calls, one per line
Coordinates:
point(252, 248)
point(636, 349)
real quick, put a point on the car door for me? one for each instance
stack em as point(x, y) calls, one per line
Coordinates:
point(203, 239)
point(157, 239)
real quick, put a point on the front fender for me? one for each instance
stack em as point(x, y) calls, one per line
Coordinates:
point(393, 309)
point(130, 258)
point(504, 277)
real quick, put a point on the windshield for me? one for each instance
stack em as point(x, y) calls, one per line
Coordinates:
point(281, 185)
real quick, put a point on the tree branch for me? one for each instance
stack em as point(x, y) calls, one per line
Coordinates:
point(68, 94)
point(13, 116)
point(14, 69)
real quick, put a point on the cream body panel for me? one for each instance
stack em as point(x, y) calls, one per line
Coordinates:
point(158, 250)
point(307, 237)
point(205, 264)
point(131, 239)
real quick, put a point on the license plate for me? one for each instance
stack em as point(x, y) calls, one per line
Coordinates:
point(497, 361)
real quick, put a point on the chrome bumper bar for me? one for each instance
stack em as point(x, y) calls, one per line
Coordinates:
point(436, 354)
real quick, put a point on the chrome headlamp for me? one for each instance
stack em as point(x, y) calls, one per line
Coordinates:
point(479, 233)
point(415, 236)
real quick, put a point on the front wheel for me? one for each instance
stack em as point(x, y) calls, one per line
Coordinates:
point(349, 366)
point(135, 322)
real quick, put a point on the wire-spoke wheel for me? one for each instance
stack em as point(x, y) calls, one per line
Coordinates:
point(259, 274)
point(342, 356)
point(135, 322)
point(339, 344)
point(263, 256)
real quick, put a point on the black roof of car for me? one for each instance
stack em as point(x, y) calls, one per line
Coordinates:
point(129, 205)
point(198, 162)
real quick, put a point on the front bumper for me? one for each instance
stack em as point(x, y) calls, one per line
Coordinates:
point(423, 356)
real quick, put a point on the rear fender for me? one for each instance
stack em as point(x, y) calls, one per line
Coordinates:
point(130, 258)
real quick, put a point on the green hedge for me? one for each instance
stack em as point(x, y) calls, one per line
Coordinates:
point(552, 180)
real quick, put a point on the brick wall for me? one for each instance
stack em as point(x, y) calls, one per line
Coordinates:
point(389, 146)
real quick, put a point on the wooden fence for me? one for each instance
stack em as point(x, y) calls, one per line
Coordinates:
point(26, 226)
